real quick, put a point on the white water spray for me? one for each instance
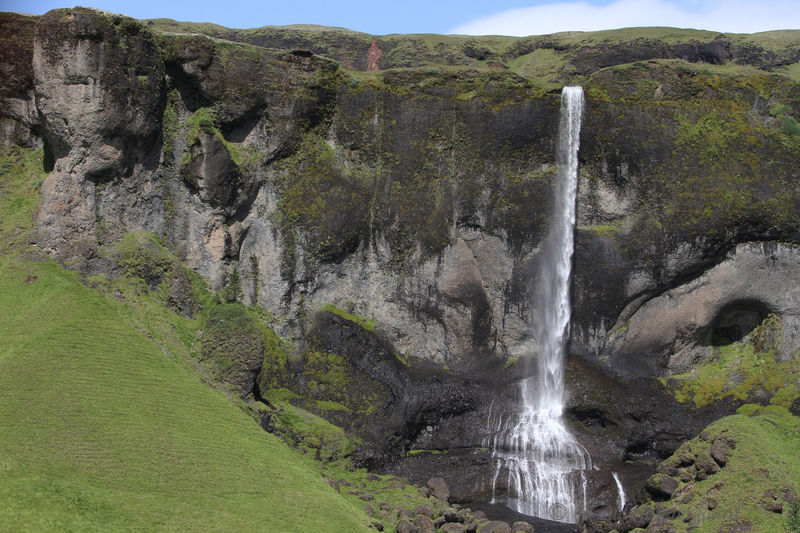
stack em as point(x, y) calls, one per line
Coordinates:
point(620, 491)
point(544, 463)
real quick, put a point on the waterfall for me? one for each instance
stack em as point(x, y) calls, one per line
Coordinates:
point(620, 491)
point(542, 462)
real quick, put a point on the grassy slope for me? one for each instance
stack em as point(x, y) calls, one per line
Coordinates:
point(101, 428)
point(765, 458)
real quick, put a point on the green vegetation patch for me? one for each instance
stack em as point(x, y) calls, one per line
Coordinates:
point(105, 422)
point(365, 323)
point(739, 370)
point(759, 482)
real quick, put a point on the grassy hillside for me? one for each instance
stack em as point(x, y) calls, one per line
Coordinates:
point(106, 425)
point(740, 474)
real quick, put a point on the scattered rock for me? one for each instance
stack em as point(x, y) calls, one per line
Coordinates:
point(385, 507)
point(376, 525)
point(521, 527)
point(404, 526)
point(453, 527)
point(769, 501)
point(661, 486)
point(638, 517)
point(789, 495)
point(660, 525)
point(594, 526)
point(425, 510)
point(423, 524)
point(670, 513)
point(494, 526)
point(367, 497)
point(719, 451)
point(409, 515)
point(439, 488)
point(370, 510)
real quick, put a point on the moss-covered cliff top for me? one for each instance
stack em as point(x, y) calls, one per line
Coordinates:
point(549, 59)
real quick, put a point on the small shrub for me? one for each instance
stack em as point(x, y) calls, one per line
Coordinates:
point(777, 110)
point(790, 126)
point(793, 518)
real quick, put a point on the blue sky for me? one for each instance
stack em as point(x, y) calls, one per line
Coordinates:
point(508, 17)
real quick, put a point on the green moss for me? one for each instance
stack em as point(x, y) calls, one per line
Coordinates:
point(321, 200)
point(365, 323)
point(169, 126)
point(739, 370)
point(790, 126)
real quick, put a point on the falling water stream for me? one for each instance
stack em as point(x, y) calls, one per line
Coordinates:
point(544, 464)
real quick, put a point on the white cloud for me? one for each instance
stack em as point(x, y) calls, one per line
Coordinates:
point(734, 16)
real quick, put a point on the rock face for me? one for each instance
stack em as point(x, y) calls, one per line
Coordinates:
point(679, 327)
point(391, 226)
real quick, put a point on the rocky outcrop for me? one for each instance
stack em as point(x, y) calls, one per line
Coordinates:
point(723, 305)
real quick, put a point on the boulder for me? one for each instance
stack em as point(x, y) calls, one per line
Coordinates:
point(439, 488)
point(521, 527)
point(423, 524)
point(719, 450)
point(452, 527)
point(494, 526)
point(661, 487)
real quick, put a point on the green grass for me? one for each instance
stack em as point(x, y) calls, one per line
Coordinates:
point(105, 422)
point(764, 458)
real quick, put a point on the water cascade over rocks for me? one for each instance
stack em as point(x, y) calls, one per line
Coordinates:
point(537, 459)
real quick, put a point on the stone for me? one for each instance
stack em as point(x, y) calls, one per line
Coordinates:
point(661, 486)
point(439, 488)
point(494, 526)
point(376, 525)
point(425, 510)
point(638, 517)
point(719, 451)
point(404, 526)
point(424, 524)
point(453, 527)
point(521, 527)
point(660, 525)
point(369, 509)
point(451, 514)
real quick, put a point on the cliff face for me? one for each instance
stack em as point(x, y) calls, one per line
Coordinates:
point(415, 199)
